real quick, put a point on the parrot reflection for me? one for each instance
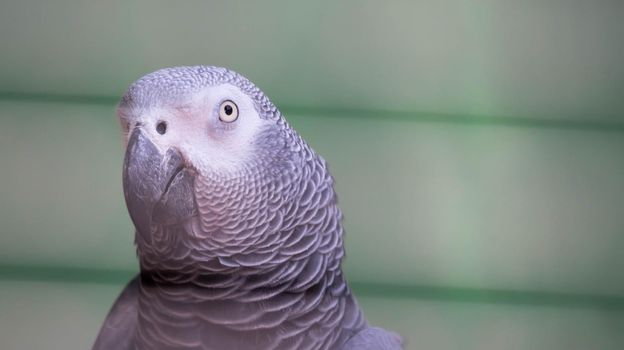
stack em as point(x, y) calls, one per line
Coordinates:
point(238, 232)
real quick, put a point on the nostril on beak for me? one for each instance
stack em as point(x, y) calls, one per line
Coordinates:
point(161, 127)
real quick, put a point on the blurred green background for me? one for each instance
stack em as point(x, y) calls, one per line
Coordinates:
point(478, 150)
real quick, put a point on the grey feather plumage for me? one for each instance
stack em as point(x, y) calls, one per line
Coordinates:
point(245, 259)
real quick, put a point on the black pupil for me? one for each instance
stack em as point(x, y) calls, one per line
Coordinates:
point(161, 127)
point(228, 109)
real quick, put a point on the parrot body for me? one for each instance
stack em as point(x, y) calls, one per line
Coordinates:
point(238, 232)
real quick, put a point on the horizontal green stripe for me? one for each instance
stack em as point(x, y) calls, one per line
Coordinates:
point(489, 296)
point(465, 119)
point(362, 289)
point(64, 274)
point(58, 98)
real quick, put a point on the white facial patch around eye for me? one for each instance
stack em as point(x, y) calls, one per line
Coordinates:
point(193, 126)
point(212, 144)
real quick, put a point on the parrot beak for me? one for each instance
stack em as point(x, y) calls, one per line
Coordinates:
point(158, 188)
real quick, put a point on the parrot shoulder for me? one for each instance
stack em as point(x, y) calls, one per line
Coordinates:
point(117, 332)
point(373, 338)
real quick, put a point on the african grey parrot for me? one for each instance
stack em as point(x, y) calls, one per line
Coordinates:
point(238, 233)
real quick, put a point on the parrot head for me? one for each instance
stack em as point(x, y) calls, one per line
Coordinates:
point(214, 175)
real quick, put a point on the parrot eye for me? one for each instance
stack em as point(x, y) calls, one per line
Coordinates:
point(161, 128)
point(228, 111)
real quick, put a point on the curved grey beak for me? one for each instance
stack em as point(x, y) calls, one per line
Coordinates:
point(158, 188)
